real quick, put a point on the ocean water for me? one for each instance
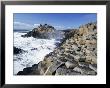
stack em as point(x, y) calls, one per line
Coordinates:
point(34, 50)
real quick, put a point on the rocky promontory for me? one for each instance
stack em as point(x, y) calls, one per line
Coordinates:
point(76, 55)
point(42, 31)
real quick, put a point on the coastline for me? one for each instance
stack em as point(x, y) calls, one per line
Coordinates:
point(76, 55)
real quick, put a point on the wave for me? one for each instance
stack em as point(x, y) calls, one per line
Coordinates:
point(35, 50)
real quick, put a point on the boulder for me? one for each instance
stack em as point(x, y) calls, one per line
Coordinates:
point(17, 50)
point(93, 67)
point(83, 64)
point(85, 70)
point(64, 71)
point(70, 64)
point(30, 70)
point(52, 68)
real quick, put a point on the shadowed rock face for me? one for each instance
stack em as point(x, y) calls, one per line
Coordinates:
point(17, 50)
point(30, 70)
point(76, 55)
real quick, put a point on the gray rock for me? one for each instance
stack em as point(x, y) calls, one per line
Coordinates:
point(76, 57)
point(93, 67)
point(74, 73)
point(75, 47)
point(64, 71)
point(83, 64)
point(82, 59)
point(70, 64)
point(61, 71)
point(42, 67)
point(85, 70)
point(52, 68)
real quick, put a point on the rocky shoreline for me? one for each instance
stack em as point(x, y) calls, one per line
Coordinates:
point(76, 55)
point(43, 32)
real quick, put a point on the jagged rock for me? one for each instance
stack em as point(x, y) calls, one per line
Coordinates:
point(42, 67)
point(83, 64)
point(52, 68)
point(43, 31)
point(64, 71)
point(76, 57)
point(30, 70)
point(82, 59)
point(85, 70)
point(70, 64)
point(91, 59)
point(25, 71)
point(17, 50)
point(93, 67)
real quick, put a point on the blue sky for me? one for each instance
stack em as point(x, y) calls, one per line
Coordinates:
point(58, 20)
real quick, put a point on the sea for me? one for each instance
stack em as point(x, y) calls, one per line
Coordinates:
point(34, 50)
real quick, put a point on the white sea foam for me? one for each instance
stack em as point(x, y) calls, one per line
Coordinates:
point(35, 50)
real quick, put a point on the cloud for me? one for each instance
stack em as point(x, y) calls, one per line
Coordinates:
point(25, 26)
point(59, 27)
point(69, 27)
point(36, 25)
point(20, 25)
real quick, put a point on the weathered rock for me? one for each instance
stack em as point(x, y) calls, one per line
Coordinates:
point(70, 64)
point(76, 57)
point(17, 50)
point(43, 31)
point(42, 67)
point(82, 59)
point(52, 68)
point(91, 59)
point(30, 70)
point(25, 71)
point(85, 70)
point(83, 64)
point(93, 67)
point(64, 71)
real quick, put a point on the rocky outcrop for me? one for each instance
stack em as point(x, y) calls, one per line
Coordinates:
point(30, 70)
point(43, 31)
point(76, 55)
point(17, 50)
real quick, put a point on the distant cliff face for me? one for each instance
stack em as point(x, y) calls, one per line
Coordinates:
point(43, 31)
point(76, 55)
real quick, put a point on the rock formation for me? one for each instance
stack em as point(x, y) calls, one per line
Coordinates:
point(17, 50)
point(43, 31)
point(76, 55)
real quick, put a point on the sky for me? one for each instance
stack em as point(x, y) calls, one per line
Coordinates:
point(61, 21)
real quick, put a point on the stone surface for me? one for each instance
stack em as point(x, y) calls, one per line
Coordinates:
point(65, 71)
point(51, 69)
point(42, 31)
point(85, 70)
point(93, 67)
point(70, 64)
point(17, 50)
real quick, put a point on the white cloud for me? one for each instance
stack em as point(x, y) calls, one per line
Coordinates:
point(59, 27)
point(36, 25)
point(20, 25)
point(69, 27)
